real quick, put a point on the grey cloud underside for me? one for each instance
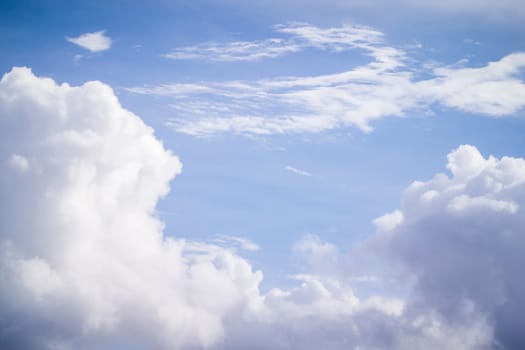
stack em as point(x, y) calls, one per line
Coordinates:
point(84, 262)
point(387, 86)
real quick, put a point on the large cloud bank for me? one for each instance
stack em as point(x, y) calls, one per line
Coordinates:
point(463, 240)
point(83, 256)
point(84, 262)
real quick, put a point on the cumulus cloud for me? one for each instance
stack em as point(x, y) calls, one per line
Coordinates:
point(93, 42)
point(85, 263)
point(387, 86)
point(461, 238)
point(235, 51)
point(83, 259)
point(323, 311)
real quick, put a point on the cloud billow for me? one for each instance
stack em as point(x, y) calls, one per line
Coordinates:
point(83, 257)
point(461, 238)
point(85, 263)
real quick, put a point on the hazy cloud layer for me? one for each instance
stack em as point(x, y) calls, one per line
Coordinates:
point(84, 262)
point(387, 86)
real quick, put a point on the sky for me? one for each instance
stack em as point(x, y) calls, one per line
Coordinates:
point(262, 175)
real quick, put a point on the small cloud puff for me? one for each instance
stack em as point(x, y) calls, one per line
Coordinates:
point(93, 42)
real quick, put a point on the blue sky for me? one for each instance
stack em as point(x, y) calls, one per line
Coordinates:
point(298, 123)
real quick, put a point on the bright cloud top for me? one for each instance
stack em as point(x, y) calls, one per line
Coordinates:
point(84, 262)
point(385, 87)
point(82, 253)
point(94, 42)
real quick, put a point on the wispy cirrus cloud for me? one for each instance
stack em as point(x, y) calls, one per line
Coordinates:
point(235, 242)
point(297, 171)
point(235, 51)
point(93, 42)
point(387, 86)
point(298, 37)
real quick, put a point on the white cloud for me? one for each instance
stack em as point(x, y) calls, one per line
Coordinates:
point(495, 89)
point(18, 162)
point(297, 171)
point(464, 243)
point(83, 259)
point(323, 312)
point(84, 262)
point(301, 36)
point(389, 221)
point(318, 257)
point(357, 97)
point(235, 51)
point(94, 42)
point(235, 242)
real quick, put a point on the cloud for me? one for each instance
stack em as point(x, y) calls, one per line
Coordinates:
point(85, 263)
point(235, 242)
point(461, 239)
point(462, 262)
point(387, 86)
point(93, 42)
point(297, 171)
point(323, 311)
point(18, 162)
point(300, 36)
point(495, 89)
point(83, 258)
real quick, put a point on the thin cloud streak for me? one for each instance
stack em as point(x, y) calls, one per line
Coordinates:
point(300, 36)
point(235, 242)
point(297, 171)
